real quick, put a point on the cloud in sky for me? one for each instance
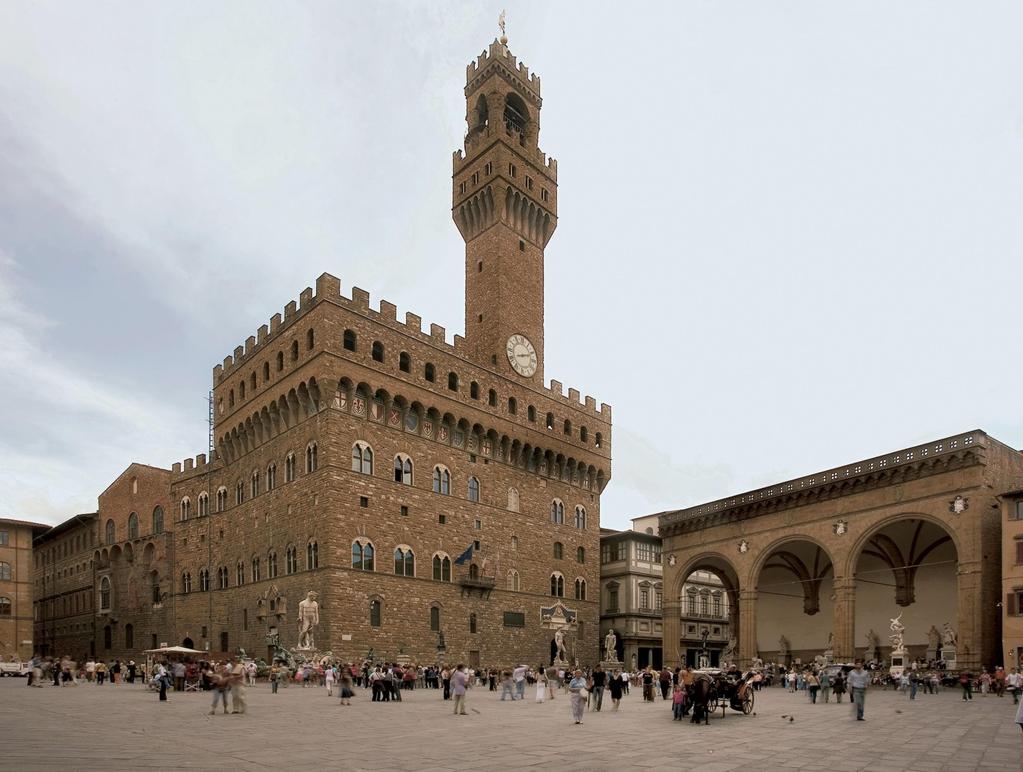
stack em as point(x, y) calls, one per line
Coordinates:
point(788, 235)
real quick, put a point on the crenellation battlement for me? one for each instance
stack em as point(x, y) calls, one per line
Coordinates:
point(329, 287)
point(305, 299)
point(498, 55)
point(477, 139)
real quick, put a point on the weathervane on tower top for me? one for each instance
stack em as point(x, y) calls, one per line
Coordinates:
point(500, 23)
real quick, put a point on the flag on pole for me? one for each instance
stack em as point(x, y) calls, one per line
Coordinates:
point(464, 557)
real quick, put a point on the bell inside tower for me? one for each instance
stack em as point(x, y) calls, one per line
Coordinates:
point(516, 116)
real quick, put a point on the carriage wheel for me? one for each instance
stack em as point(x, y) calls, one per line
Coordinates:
point(747, 702)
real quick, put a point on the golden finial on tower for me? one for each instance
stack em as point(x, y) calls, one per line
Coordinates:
point(500, 23)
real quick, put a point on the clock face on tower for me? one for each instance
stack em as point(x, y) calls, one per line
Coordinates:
point(521, 355)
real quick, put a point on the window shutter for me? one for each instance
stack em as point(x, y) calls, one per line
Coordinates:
point(1019, 553)
point(1010, 604)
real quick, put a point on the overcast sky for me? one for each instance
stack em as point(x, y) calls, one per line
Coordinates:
point(789, 234)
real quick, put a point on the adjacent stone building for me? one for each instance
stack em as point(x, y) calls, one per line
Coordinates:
point(16, 634)
point(436, 494)
point(1012, 577)
point(833, 557)
point(62, 581)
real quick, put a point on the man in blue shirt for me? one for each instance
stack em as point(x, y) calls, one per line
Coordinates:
point(859, 679)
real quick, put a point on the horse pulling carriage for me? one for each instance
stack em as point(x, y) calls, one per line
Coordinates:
point(713, 689)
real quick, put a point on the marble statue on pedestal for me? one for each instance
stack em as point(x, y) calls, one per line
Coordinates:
point(897, 639)
point(611, 646)
point(559, 643)
point(308, 619)
point(873, 645)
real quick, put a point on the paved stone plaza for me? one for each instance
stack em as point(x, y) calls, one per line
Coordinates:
point(126, 728)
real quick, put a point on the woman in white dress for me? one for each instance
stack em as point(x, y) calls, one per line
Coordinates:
point(328, 679)
point(541, 684)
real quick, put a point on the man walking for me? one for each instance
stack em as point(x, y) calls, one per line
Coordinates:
point(858, 681)
point(599, 680)
point(1014, 681)
point(459, 682)
point(519, 677)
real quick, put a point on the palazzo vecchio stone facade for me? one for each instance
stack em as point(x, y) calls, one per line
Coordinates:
point(359, 457)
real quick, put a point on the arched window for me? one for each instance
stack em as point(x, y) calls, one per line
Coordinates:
point(441, 567)
point(239, 492)
point(580, 555)
point(403, 469)
point(513, 580)
point(597, 441)
point(513, 500)
point(154, 586)
point(203, 504)
point(404, 562)
point(557, 585)
point(429, 373)
point(133, 526)
point(378, 351)
point(375, 613)
point(568, 427)
point(222, 578)
point(252, 380)
point(289, 468)
point(474, 390)
point(111, 532)
point(5, 607)
point(280, 361)
point(239, 572)
point(362, 555)
point(441, 480)
point(435, 618)
point(230, 398)
point(221, 499)
point(204, 580)
point(474, 489)
point(294, 351)
point(453, 381)
point(266, 372)
point(559, 550)
point(472, 623)
point(531, 414)
point(513, 406)
point(290, 560)
point(583, 434)
point(241, 389)
point(312, 555)
point(5, 572)
point(492, 398)
point(104, 593)
point(350, 340)
point(254, 484)
point(362, 458)
point(580, 517)
point(404, 362)
point(310, 458)
point(271, 565)
point(310, 339)
point(158, 520)
point(580, 589)
point(550, 420)
point(557, 512)
point(256, 573)
point(186, 583)
point(271, 478)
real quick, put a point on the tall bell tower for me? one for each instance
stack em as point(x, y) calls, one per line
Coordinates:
point(505, 205)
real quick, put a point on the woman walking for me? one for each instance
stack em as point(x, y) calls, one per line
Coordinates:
point(812, 686)
point(615, 687)
point(328, 679)
point(541, 684)
point(577, 695)
point(345, 692)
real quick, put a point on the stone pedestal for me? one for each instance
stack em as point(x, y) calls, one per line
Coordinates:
point(611, 665)
point(931, 655)
point(898, 664)
point(948, 654)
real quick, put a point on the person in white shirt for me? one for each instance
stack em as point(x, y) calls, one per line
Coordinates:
point(1014, 682)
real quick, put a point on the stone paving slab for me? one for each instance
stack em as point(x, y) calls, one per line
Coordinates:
point(124, 727)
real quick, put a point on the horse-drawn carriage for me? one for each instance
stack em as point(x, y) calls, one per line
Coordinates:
point(713, 689)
